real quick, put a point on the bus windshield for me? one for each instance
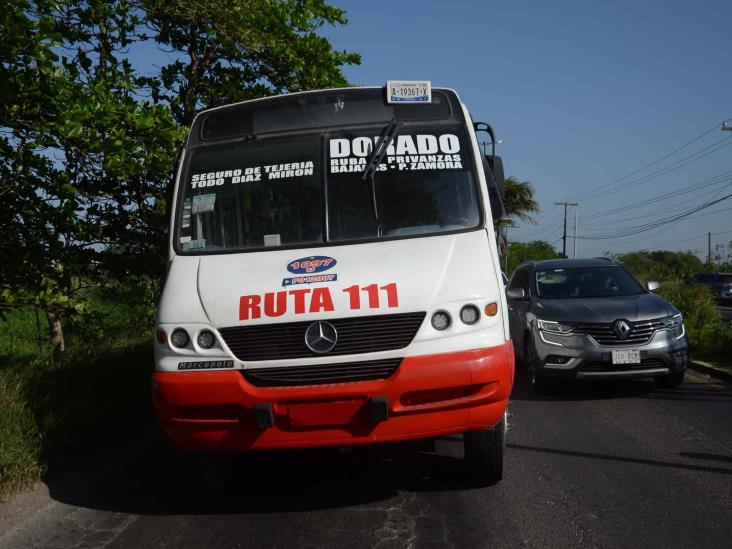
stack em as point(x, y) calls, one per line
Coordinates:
point(310, 190)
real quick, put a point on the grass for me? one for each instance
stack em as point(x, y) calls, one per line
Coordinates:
point(102, 379)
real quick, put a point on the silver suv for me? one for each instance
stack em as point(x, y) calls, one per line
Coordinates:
point(591, 318)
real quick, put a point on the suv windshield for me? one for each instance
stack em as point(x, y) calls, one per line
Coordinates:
point(583, 282)
point(270, 193)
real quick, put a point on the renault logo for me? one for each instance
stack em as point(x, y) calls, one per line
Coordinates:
point(321, 337)
point(622, 329)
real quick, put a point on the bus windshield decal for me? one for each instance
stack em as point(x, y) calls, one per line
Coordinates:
point(252, 173)
point(270, 193)
point(406, 152)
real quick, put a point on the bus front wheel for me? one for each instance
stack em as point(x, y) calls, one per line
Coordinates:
point(484, 453)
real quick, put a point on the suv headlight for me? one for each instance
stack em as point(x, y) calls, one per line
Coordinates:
point(671, 322)
point(553, 327)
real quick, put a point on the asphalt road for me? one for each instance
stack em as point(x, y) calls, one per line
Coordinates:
point(594, 465)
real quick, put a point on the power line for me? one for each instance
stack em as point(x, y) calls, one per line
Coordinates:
point(677, 207)
point(639, 170)
point(695, 187)
point(626, 231)
point(668, 169)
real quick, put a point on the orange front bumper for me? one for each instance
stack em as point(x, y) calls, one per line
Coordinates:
point(427, 396)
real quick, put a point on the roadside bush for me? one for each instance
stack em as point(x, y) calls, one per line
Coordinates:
point(20, 438)
point(102, 381)
point(661, 265)
point(708, 336)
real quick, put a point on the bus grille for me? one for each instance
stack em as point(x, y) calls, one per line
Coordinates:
point(319, 374)
point(365, 334)
point(640, 332)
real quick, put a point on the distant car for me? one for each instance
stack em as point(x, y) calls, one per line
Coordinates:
point(720, 284)
point(592, 319)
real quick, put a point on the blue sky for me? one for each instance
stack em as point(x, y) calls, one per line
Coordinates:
point(582, 94)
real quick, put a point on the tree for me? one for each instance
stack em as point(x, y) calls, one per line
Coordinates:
point(519, 204)
point(232, 51)
point(85, 157)
point(661, 265)
point(518, 252)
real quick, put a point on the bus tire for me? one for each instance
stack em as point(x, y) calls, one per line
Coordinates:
point(484, 453)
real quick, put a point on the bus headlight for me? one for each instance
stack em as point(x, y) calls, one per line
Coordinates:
point(206, 339)
point(469, 314)
point(179, 338)
point(441, 320)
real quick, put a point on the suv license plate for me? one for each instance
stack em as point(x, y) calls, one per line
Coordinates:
point(626, 356)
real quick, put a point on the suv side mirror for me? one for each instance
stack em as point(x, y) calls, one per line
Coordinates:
point(652, 285)
point(516, 293)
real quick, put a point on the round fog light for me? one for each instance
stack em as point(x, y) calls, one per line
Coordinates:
point(206, 339)
point(441, 320)
point(179, 337)
point(469, 314)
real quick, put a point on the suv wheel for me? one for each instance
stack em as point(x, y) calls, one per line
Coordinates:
point(672, 380)
point(484, 453)
point(534, 380)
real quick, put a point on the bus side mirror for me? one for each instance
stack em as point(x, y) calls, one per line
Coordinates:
point(496, 165)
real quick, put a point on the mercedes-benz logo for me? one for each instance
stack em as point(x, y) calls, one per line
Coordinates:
point(321, 337)
point(622, 329)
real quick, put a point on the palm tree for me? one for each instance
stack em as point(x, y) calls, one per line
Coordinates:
point(519, 204)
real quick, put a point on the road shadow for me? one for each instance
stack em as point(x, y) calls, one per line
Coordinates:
point(635, 460)
point(585, 389)
point(581, 389)
point(157, 480)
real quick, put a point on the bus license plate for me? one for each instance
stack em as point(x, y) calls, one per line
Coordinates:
point(626, 356)
point(408, 91)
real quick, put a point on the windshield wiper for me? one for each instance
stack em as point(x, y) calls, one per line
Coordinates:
point(387, 136)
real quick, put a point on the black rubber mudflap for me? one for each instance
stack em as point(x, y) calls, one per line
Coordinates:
point(264, 415)
point(379, 409)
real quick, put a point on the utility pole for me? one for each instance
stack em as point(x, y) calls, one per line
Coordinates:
point(574, 256)
point(564, 234)
point(709, 248)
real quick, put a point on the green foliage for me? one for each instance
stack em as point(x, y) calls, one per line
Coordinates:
point(662, 266)
point(87, 142)
point(518, 252)
point(46, 402)
point(20, 438)
point(233, 51)
point(708, 335)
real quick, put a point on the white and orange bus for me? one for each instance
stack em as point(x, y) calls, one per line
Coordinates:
point(334, 279)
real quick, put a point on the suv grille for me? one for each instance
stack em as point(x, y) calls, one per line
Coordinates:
point(318, 374)
point(640, 332)
point(609, 367)
point(365, 334)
